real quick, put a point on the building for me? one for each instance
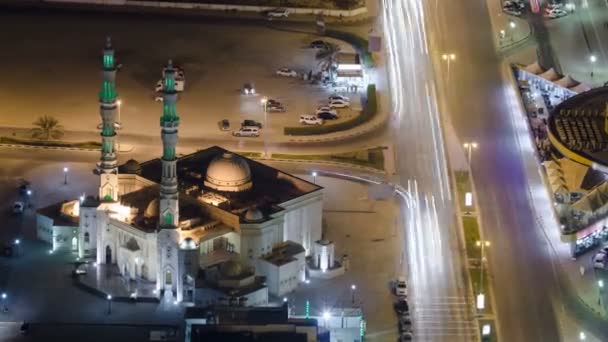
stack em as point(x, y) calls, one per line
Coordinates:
point(236, 323)
point(165, 219)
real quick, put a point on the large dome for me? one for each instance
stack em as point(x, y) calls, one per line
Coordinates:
point(228, 172)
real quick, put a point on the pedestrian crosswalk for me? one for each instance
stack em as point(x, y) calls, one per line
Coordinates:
point(444, 319)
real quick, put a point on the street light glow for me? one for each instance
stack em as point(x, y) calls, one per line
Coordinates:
point(592, 58)
point(326, 314)
point(3, 295)
point(512, 24)
point(29, 192)
point(65, 169)
point(600, 283)
point(353, 287)
point(109, 297)
point(448, 56)
point(314, 173)
point(119, 102)
point(582, 336)
point(17, 241)
point(263, 100)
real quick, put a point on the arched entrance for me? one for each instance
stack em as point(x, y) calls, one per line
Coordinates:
point(108, 255)
point(74, 243)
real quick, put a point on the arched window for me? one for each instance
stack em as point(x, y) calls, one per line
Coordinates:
point(86, 237)
point(169, 218)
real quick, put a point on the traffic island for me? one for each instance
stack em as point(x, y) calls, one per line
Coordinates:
point(86, 145)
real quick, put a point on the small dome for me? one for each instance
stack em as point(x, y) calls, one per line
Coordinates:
point(187, 243)
point(131, 167)
point(253, 215)
point(231, 269)
point(152, 210)
point(228, 172)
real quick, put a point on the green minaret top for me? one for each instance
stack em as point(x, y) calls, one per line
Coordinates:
point(170, 96)
point(108, 93)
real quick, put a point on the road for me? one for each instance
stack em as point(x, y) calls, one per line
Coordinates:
point(481, 105)
point(442, 304)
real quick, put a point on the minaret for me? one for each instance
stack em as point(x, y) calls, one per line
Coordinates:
point(107, 166)
point(169, 277)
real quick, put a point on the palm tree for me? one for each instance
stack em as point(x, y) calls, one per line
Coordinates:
point(47, 128)
point(327, 57)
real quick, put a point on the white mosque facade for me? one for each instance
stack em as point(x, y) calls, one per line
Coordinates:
point(167, 219)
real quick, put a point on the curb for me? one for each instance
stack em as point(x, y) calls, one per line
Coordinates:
point(50, 147)
point(342, 137)
point(327, 162)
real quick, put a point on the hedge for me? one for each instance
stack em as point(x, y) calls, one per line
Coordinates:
point(91, 145)
point(368, 112)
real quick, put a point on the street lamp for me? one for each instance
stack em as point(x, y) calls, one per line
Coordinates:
point(448, 57)
point(352, 291)
point(592, 59)
point(512, 24)
point(314, 177)
point(65, 175)
point(326, 316)
point(482, 245)
point(582, 336)
point(109, 298)
point(470, 146)
point(4, 307)
point(119, 102)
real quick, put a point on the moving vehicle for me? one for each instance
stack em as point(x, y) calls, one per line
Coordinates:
point(248, 89)
point(18, 207)
point(247, 132)
point(275, 106)
point(401, 286)
point(327, 115)
point(339, 104)
point(599, 260)
point(278, 13)
point(251, 123)
point(286, 72)
point(224, 125)
point(310, 120)
point(554, 13)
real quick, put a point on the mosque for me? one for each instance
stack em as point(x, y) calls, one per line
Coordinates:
point(165, 220)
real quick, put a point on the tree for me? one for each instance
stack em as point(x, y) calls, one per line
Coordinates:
point(327, 57)
point(47, 128)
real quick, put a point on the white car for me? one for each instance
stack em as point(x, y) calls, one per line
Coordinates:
point(338, 104)
point(278, 13)
point(248, 89)
point(326, 109)
point(554, 13)
point(247, 131)
point(599, 260)
point(287, 72)
point(310, 120)
point(18, 207)
point(338, 97)
point(401, 286)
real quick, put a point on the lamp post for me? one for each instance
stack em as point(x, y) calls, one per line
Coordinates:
point(326, 317)
point(482, 244)
point(352, 292)
point(264, 103)
point(448, 57)
point(470, 146)
point(65, 175)
point(4, 307)
point(314, 177)
point(17, 242)
point(109, 298)
point(592, 59)
point(119, 102)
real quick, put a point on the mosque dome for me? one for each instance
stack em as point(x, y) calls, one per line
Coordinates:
point(131, 167)
point(228, 172)
point(188, 243)
point(152, 210)
point(253, 215)
point(232, 269)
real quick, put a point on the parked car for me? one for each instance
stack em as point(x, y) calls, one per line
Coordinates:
point(224, 125)
point(278, 13)
point(338, 97)
point(326, 109)
point(273, 107)
point(401, 286)
point(286, 72)
point(78, 271)
point(247, 132)
point(338, 104)
point(401, 306)
point(18, 207)
point(317, 44)
point(599, 260)
point(310, 120)
point(248, 89)
point(327, 115)
point(251, 123)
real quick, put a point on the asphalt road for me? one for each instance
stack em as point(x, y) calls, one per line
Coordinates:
point(441, 303)
point(481, 105)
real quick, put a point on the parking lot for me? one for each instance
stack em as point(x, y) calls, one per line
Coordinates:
point(46, 73)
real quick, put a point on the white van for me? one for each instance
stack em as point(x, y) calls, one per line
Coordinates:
point(247, 131)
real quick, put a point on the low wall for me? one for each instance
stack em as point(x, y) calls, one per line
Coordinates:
point(218, 7)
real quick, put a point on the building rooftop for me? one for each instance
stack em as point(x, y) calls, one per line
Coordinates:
point(53, 212)
point(284, 253)
point(231, 315)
